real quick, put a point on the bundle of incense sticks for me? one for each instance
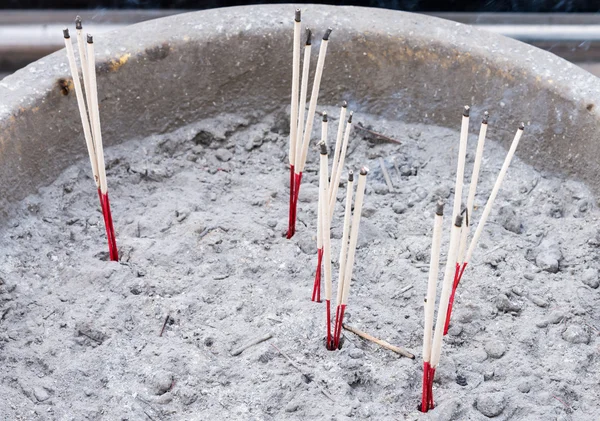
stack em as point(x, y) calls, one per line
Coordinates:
point(90, 120)
point(341, 146)
point(457, 259)
point(300, 130)
point(348, 251)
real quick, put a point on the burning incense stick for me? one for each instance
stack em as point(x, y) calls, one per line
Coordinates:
point(325, 232)
point(336, 182)
point(84, 65)
point(316, 295)
point(445, 296)
point(360, 194)
point(301, 157)
point(299, 120)
point(430, 300)
point(484, 216)
point(87, 132)
point(95, 118)
point(460, 264)
point(338, 142)
point(294, 108)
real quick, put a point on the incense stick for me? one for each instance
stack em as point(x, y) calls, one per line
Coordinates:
point(340, 167)
point(338, 142)
point(297, 178)
point(87, 132)
point(343, 255)
point(360, 194)
point(430, 300)
point(325, 232)
point(345, 234)
point(95, 118)
point(443, 305)
point(473, 185)
point(460, 167)
point(316, 294)
point(460, 264)
point(294, 112)
point(84, 64)
point(313, 101)
point(303, 94)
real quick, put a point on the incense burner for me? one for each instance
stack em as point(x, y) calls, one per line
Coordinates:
point(159, 75)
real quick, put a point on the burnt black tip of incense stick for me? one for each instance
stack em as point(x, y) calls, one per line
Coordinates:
point(324, 117)
point(78, 22)
point(486, 115)
point(439, 208)
point(66, 33)
point(350, 118)
point(308, 36)
point(465, 212)
point(522, 126)
point(327, 33)
point(90, 39)
point(458, 221)
point(345, 104)
point(350, 176)
point(323, 147)
point(466, 111)
point(297, 17)
point(364, 171)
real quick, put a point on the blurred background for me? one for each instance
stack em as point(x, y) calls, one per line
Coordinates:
point(31, 29)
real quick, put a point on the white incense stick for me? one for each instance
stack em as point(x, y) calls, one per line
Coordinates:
point(87, 132)
point(320, 205)
point(84, 65)
point(460, 168)
point(338, 175)
point(303, 92)
point(324, 132)
point(295, 83)
point(473, 188)
point(95, 113)
point(490, 202)
point(436, 349)
point(338, 142)
point(358, 203)
point(325, 224)
point(345, 233)
point(314, 96)
point(434, 266)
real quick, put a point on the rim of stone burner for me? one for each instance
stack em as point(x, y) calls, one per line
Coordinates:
point(159, 75)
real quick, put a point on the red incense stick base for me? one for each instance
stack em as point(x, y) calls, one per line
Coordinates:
point(457, 277)
point(425, 393)
point(316, 294)
point(339, 320)
point(108, 223)
point(294, 206)
point(329, 343)
point(291, 218)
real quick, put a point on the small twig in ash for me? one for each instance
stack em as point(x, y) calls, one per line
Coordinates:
point(164, 325)
point(376, 134)
point(250, 344)
point(305, 375)
point(561, 401)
